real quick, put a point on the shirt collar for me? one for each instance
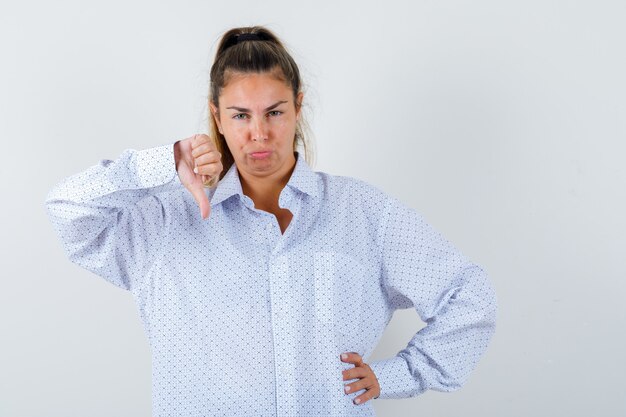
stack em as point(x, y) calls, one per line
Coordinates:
point(303, 179)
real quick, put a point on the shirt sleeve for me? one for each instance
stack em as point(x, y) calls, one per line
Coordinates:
point(453, 296)
point(110, 218)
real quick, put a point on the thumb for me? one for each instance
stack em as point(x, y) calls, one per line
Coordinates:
point(197, 190)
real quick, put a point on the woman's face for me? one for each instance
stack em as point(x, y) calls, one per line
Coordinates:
point(257, 116)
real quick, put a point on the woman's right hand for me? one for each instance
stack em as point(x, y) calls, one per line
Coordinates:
point(198, 162)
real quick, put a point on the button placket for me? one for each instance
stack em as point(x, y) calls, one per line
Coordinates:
point(282, 326)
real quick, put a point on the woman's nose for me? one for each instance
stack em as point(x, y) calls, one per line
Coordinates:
point(259, 130)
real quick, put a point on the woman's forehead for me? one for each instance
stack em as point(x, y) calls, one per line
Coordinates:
point(254, 89)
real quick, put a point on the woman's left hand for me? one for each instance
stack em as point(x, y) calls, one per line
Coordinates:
point(367, 379)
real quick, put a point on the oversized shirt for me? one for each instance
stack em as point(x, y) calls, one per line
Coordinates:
point(243, 320)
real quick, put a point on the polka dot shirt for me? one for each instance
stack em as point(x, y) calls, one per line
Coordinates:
point(244, 320)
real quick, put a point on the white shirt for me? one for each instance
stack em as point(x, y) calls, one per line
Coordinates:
point(245, 321)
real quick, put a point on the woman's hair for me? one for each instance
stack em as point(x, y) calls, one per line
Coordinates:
point(264, 53)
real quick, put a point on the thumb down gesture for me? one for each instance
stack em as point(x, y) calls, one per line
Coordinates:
point(199, 165)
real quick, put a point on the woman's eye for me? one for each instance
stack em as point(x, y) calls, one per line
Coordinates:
point(275, 113)
point(240, 116)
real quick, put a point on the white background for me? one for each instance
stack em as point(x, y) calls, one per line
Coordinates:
point(502, 122)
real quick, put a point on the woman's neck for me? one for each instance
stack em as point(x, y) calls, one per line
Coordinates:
point(264, 191)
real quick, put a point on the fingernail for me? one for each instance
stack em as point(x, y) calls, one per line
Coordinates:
point(344, 356)
point(347, 389)
point(195, 170)
point(357, 401)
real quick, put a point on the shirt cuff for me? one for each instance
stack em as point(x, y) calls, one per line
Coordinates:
point(395, 378)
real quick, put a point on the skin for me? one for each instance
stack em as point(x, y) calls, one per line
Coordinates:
point(258, 112)
point(367, 378)
point(197, 159)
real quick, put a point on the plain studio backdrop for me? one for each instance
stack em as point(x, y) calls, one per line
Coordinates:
point(501, 122)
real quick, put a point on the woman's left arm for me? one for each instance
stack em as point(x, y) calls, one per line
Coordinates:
point(452, 295)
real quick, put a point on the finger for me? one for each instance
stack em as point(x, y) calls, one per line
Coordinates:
point(207, 158)
point(206, 148)
point(352, 357)
point(199, 139)
point(354, 387)
point(353, 373)
point(197, 190)
point(371, 390)
point(366, 396)
point(210, 170)
point(363, 382)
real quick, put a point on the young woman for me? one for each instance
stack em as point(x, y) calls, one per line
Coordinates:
point(270, 302)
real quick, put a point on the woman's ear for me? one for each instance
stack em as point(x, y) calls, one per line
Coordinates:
point(216, 115)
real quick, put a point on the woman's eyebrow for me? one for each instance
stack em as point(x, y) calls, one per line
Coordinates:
point(273, 106)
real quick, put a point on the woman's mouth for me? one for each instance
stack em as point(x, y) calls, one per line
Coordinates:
point(260, 155)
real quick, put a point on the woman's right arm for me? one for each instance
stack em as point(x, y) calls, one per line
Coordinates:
point(110, 218)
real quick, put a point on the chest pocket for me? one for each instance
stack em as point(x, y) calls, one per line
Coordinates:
point(340, 286)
